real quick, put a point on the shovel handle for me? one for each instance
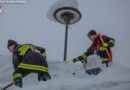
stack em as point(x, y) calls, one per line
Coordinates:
point(84, 66)
point(9, 85)
point(110, 59)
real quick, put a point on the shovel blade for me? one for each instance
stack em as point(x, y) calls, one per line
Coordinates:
point(94, 71)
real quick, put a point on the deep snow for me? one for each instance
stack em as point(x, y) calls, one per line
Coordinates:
point(109, 17)
point(115, 77)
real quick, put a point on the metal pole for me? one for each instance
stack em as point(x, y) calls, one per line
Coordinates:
point(66, 40)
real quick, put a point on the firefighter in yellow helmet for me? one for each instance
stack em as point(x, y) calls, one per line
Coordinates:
point(28, 58)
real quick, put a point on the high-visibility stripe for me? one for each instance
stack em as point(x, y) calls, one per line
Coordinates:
point(17, 75)
point(44, 54)
point(33, 67)
point(84, 56)
point(26, 48)
point(104, 59)
point(112, 41)
point(23, 49)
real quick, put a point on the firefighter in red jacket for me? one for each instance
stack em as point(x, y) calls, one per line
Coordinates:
point(97, 47)
point(28, 58)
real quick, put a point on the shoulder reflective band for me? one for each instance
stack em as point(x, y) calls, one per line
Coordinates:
point(33, 67)
point(44, 54)
point(23, 49)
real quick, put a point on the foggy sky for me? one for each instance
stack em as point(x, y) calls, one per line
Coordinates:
point(28, 23)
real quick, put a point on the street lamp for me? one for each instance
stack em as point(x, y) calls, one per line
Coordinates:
point(67, 16)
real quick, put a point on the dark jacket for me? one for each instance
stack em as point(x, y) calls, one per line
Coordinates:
point(96, 44)
point(20, 53)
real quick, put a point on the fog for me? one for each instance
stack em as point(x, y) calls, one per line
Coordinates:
point(28, 23)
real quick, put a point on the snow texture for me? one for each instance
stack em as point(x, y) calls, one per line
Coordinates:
point(108, 17)
point(61, 4)
point(116, 77)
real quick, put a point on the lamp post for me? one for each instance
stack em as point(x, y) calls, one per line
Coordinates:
point(67, 16)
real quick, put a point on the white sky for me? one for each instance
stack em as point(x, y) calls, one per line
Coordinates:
point(28, 23)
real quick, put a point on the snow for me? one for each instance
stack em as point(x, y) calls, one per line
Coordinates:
point(61, 4)
point(109, 17)
point(116, 77)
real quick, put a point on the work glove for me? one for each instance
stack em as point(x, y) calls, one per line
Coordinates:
point(75, 60)
point(44, 76)
point(18, 82)
point(105, 45)
point(79, 59)
point(84, 61)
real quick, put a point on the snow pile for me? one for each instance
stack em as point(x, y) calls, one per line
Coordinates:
point(115, 77)
point(61, 4)
point(6, 68)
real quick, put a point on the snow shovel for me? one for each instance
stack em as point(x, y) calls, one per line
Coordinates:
point(94, 71)
point(9, 85)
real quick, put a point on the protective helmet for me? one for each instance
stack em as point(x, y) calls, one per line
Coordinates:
point(11, 42)
point(92, 32)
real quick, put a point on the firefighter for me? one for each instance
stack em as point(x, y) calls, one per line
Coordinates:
point(97, 48)
point(28, 58)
